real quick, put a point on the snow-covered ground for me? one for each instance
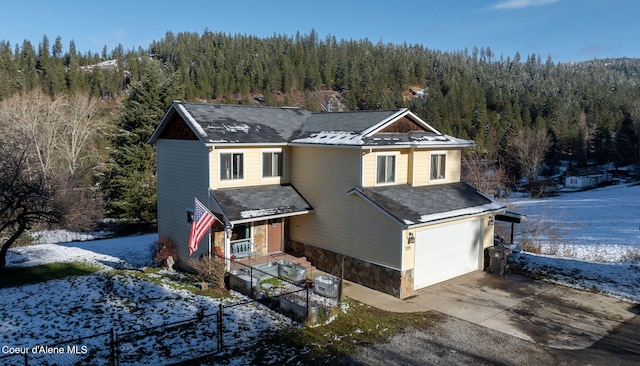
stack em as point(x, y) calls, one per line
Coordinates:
point(596, 236)
point(588, 239)
point(602, 224)
point(75, 307)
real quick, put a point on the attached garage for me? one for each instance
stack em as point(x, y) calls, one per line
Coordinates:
point(447, 251)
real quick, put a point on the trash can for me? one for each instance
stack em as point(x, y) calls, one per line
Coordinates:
point(498, 260)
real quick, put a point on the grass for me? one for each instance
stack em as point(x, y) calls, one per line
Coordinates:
point(18, 276)
point(359, 325)
point(181, 281)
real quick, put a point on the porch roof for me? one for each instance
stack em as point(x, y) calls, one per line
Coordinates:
point(416, 206)
point(248, 204)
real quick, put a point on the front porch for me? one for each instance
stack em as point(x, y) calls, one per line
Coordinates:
point(274, 257)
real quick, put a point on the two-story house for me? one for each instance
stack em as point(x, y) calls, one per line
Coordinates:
point(376, 191)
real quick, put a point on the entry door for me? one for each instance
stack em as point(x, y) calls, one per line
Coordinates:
point(274, 235)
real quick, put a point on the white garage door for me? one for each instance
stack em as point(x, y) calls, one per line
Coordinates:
point(447, 252)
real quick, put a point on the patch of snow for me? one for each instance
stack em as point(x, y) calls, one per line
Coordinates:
point(192, 121)
point(332, 138)
point(125, 252)
point(599, 224)
point(493, 206)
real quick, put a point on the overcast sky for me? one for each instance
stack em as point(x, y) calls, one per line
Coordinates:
point(567, 30)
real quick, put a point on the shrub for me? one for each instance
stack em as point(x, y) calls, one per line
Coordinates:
point(529, 246)
point(631, 255)
point(163, 249)
point(210, 269)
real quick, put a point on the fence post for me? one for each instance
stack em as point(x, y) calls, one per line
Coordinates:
point(307, 288)
point(112, 344)
point(219, 321)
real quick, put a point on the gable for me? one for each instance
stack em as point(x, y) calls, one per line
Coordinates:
point(402, 125)
point(177, 129)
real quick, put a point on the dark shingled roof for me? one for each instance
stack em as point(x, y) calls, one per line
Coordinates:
point(260, 201)
point(415, 205)
point(343, 121)
point(246, 124)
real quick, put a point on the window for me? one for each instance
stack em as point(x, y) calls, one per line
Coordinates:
point(386, 169)
point(241, 232)
point(231, 166)
point(438, 166)
point(272, 164)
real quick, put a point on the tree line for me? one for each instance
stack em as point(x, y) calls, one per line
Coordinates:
point(96, 111)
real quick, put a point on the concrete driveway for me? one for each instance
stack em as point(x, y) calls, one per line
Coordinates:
point(553, 316)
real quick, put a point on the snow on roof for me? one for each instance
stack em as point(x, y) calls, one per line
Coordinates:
point(332, 138)
point(192, 120)
point(469, 211)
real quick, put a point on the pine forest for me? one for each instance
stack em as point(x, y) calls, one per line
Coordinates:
point(83, 119)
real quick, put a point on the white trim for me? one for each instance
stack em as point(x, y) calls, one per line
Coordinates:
point(282, 168)
point(231, 151)
point(382, 124)
point(401, 113)
point(395, 155)
point(262, 218)
point(227, 145)
point(446, 163)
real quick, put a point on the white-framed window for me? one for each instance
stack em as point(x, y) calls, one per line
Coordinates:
point(438, 166)
point(272, 163)
point(386, 168)
point(231, 165)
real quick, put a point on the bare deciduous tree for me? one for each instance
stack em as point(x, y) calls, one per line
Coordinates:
point(529, 148)
point(59, 130)
point(60, 134)
point(26, 197)
point(32, 117)
point(483, 173)
point(79, 124)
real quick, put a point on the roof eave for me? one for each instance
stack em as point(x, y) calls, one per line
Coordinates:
point(176, 107)
point(456, 217)
point(270, 217)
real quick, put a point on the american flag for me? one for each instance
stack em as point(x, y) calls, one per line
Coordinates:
point(200, 224)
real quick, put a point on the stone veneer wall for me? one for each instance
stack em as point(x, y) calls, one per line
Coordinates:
point(377, 277)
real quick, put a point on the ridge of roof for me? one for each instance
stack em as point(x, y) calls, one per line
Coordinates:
point(220, 124)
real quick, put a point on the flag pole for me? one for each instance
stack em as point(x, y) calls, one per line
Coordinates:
point(208, 205)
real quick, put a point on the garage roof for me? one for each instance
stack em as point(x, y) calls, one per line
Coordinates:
point(413, 206)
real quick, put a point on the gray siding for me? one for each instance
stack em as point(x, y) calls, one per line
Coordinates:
point(183, 173)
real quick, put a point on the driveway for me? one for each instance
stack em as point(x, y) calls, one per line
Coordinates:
point(558, 325)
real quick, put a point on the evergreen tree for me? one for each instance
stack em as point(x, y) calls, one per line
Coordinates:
point(129, 184)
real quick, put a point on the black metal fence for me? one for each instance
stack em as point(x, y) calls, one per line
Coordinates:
point(201, 336)
point(176, 341)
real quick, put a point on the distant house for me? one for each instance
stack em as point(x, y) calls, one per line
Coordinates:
point(586, 179)
point(380, 190)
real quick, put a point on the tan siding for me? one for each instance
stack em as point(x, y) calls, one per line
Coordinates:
point(369, 164)
point(341, 223)
point(422, 167)
point(182, 175)
point(252, 167)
